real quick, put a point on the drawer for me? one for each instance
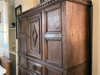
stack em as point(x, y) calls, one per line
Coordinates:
point(21, 72)
point(53, 70)
point(34, 67)
point(22, 61)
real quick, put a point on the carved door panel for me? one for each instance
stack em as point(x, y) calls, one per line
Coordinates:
point(52, 70)
point(34, 36)
point(22, 35)
point(53, 35)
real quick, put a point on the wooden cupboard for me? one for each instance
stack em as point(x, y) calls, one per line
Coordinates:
point(54, 38)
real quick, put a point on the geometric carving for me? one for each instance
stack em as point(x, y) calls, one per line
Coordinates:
point(34, 35)
point(34, 39)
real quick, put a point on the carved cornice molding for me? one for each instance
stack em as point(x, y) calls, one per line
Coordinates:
point(52, 2)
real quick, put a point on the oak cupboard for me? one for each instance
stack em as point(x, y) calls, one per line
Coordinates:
point(54, 38)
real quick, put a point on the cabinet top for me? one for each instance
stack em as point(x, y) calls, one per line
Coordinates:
point(52, 2)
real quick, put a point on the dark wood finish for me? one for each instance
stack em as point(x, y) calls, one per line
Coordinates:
point(22, 61)
point(21, 72)
point(52, 2)
point(22, 35)
point(24, 71)
point(52, 35)
point(35, 67)
point(34, 36)
point(52, 70)
point(54, 38)
point(85, 67)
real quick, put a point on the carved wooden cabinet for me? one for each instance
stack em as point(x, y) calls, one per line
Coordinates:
point(53, 39)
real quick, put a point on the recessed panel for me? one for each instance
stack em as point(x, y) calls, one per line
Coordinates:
point(55, 51)
point(22, 61)
point(22, 44)
point(34, 37)
point(22, 26)
point(54, 20)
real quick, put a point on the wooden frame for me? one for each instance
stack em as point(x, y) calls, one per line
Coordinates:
point(18, 10)
point(42, 1)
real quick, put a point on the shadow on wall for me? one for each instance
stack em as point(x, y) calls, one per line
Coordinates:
point(91, 33)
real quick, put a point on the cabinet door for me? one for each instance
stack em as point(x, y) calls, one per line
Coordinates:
point(34, 36)
point(22, 35)
point(52, 70)
point(53, 35)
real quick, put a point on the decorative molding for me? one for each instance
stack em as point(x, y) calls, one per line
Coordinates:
point(52, 2)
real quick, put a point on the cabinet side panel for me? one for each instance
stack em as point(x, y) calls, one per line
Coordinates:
point(77, 34)
point(80, 70)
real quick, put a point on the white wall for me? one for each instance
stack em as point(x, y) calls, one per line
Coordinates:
point(1, 25)
point(6, 28)
point(26, 4)
point(96, 38)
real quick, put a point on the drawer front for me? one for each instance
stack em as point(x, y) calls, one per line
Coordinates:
point(22, 72)
point(34, 67)
point(22, 61)
point(52, 70)
point(34, 36)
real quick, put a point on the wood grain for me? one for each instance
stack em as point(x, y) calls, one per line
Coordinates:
point(54, 39)
point(77, 34)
